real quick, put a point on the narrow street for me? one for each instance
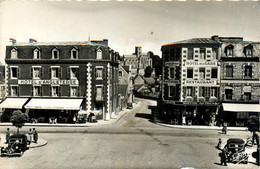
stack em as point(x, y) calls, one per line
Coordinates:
point(131, 142)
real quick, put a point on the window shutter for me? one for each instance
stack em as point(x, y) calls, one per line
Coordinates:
point(32, 91)
point(68, 72)
point(193, 91)
point(103, 92)
point(104, 73)
point(69, 91)
point(41, 91)
point(50, 72)
point(95, 73)
point(60, 74)
point(184, 91)
point(18, 72)
point(50, 91)
point(78, 88)
point(77, 73)
point(9, 72)
point(95, 92)
point(42, 72)
point(18, 91)
point(59, 91)
point(31, 72)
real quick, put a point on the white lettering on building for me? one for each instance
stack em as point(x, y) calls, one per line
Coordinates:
point(48, 82)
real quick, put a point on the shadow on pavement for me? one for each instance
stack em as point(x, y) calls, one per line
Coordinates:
point(143, 115)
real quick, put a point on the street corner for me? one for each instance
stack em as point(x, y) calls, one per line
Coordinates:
point(40, 143)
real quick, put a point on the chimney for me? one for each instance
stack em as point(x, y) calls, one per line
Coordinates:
point(214, 37)
point(31, 40)
point(105, 42)
point(12, 41)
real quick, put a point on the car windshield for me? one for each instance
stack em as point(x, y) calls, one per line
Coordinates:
point(15, 140)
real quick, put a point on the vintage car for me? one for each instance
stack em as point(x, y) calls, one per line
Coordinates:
point(235, 149)
point(17, 145)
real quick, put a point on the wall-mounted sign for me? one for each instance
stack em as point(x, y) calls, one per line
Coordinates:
point(202, 82)
point(48, 82)
point(195, 63)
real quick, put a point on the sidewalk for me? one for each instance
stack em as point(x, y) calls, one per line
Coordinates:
point(112, 120)
point(195, 127)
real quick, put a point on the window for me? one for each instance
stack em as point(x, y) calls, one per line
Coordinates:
point(202, 73)
point(228, 94)
point(229, 51)
point(189, 91)
point(55, 72)
point(172, 91)
point(201, 91)
point(99, 92)
point(214, 73)
point(190, 53)
point(74, 53)
point(99, 73)
point(189, 73)
point(36, 90)
point(247, 96)
point(171, 73)
point(36, 72)
point(14, 72)
point(99, 54)
point(74, 91)
point(248, 51)
point(248, 71)
point(73, 72)
point(213, 92)
point(202, 54)
point(14, 90)
point(229, 71)
point(120, 73)
point(14, 53)
point(36, 54)
point(55, 54)
point(54, 90)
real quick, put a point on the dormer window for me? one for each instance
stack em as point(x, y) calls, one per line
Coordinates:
point(248, 51)
point(55, 54)
point(99, 54)
point(36, 54)
point(74, 53)
point(14, 53)
point(229, 50)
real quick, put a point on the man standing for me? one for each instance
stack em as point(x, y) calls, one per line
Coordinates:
point(7, 136)
point(35, 135)
point(223, 157)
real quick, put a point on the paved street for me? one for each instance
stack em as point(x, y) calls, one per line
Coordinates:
point(131, 142)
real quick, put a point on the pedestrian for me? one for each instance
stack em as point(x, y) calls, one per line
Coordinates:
point(223, 157)
point(219, 144)
point(224, 129)
point(183, 120)
point(35, 135)
point(74, 119)
point(30, 134)
point(7, 135)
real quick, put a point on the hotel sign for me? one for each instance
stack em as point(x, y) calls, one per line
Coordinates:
point(193, 63)
point(48, 82)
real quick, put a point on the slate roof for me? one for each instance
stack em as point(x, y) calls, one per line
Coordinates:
point(194, 41)
point(149, 80)
point(59, 43)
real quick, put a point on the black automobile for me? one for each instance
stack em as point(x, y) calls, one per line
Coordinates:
point(236, 150)
point(17, 145)
point(129, 105)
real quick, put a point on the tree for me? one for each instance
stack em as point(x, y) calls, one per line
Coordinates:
point(253, 124)
point(18, 119)
point(148, 71)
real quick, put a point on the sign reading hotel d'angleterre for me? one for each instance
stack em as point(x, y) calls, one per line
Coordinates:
point(48, 82)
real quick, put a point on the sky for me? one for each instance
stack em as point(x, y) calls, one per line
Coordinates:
point(126, 24)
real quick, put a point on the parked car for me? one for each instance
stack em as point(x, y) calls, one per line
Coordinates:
point(17, 145)
point(236, 150)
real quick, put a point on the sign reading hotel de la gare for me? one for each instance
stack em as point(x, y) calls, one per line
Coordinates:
point(196, 63)
point(48, 82)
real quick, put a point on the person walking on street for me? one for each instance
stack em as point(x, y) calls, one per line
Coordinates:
point(35, 135)
point(183, 120)
point(223, 157)
point(7, 135)
point(30, 135)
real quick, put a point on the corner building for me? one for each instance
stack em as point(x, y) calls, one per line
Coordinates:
point(61, 80)
point(240, 79)
point(191, 81)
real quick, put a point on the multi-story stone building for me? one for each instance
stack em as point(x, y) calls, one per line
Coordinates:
point(138, 61)
point(240, 79)
point(61, 80)
point(191, 81)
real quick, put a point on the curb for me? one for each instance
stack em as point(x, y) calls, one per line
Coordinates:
point(39, 145)
point(200, 128)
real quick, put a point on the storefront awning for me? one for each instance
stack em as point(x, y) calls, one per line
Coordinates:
point(241, 107)
point(13, 103)
point(54, 104)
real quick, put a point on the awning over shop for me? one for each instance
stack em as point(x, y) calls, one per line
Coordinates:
point(87, 112)
point(54, 104)
point(241, 107)
point(13, 103)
